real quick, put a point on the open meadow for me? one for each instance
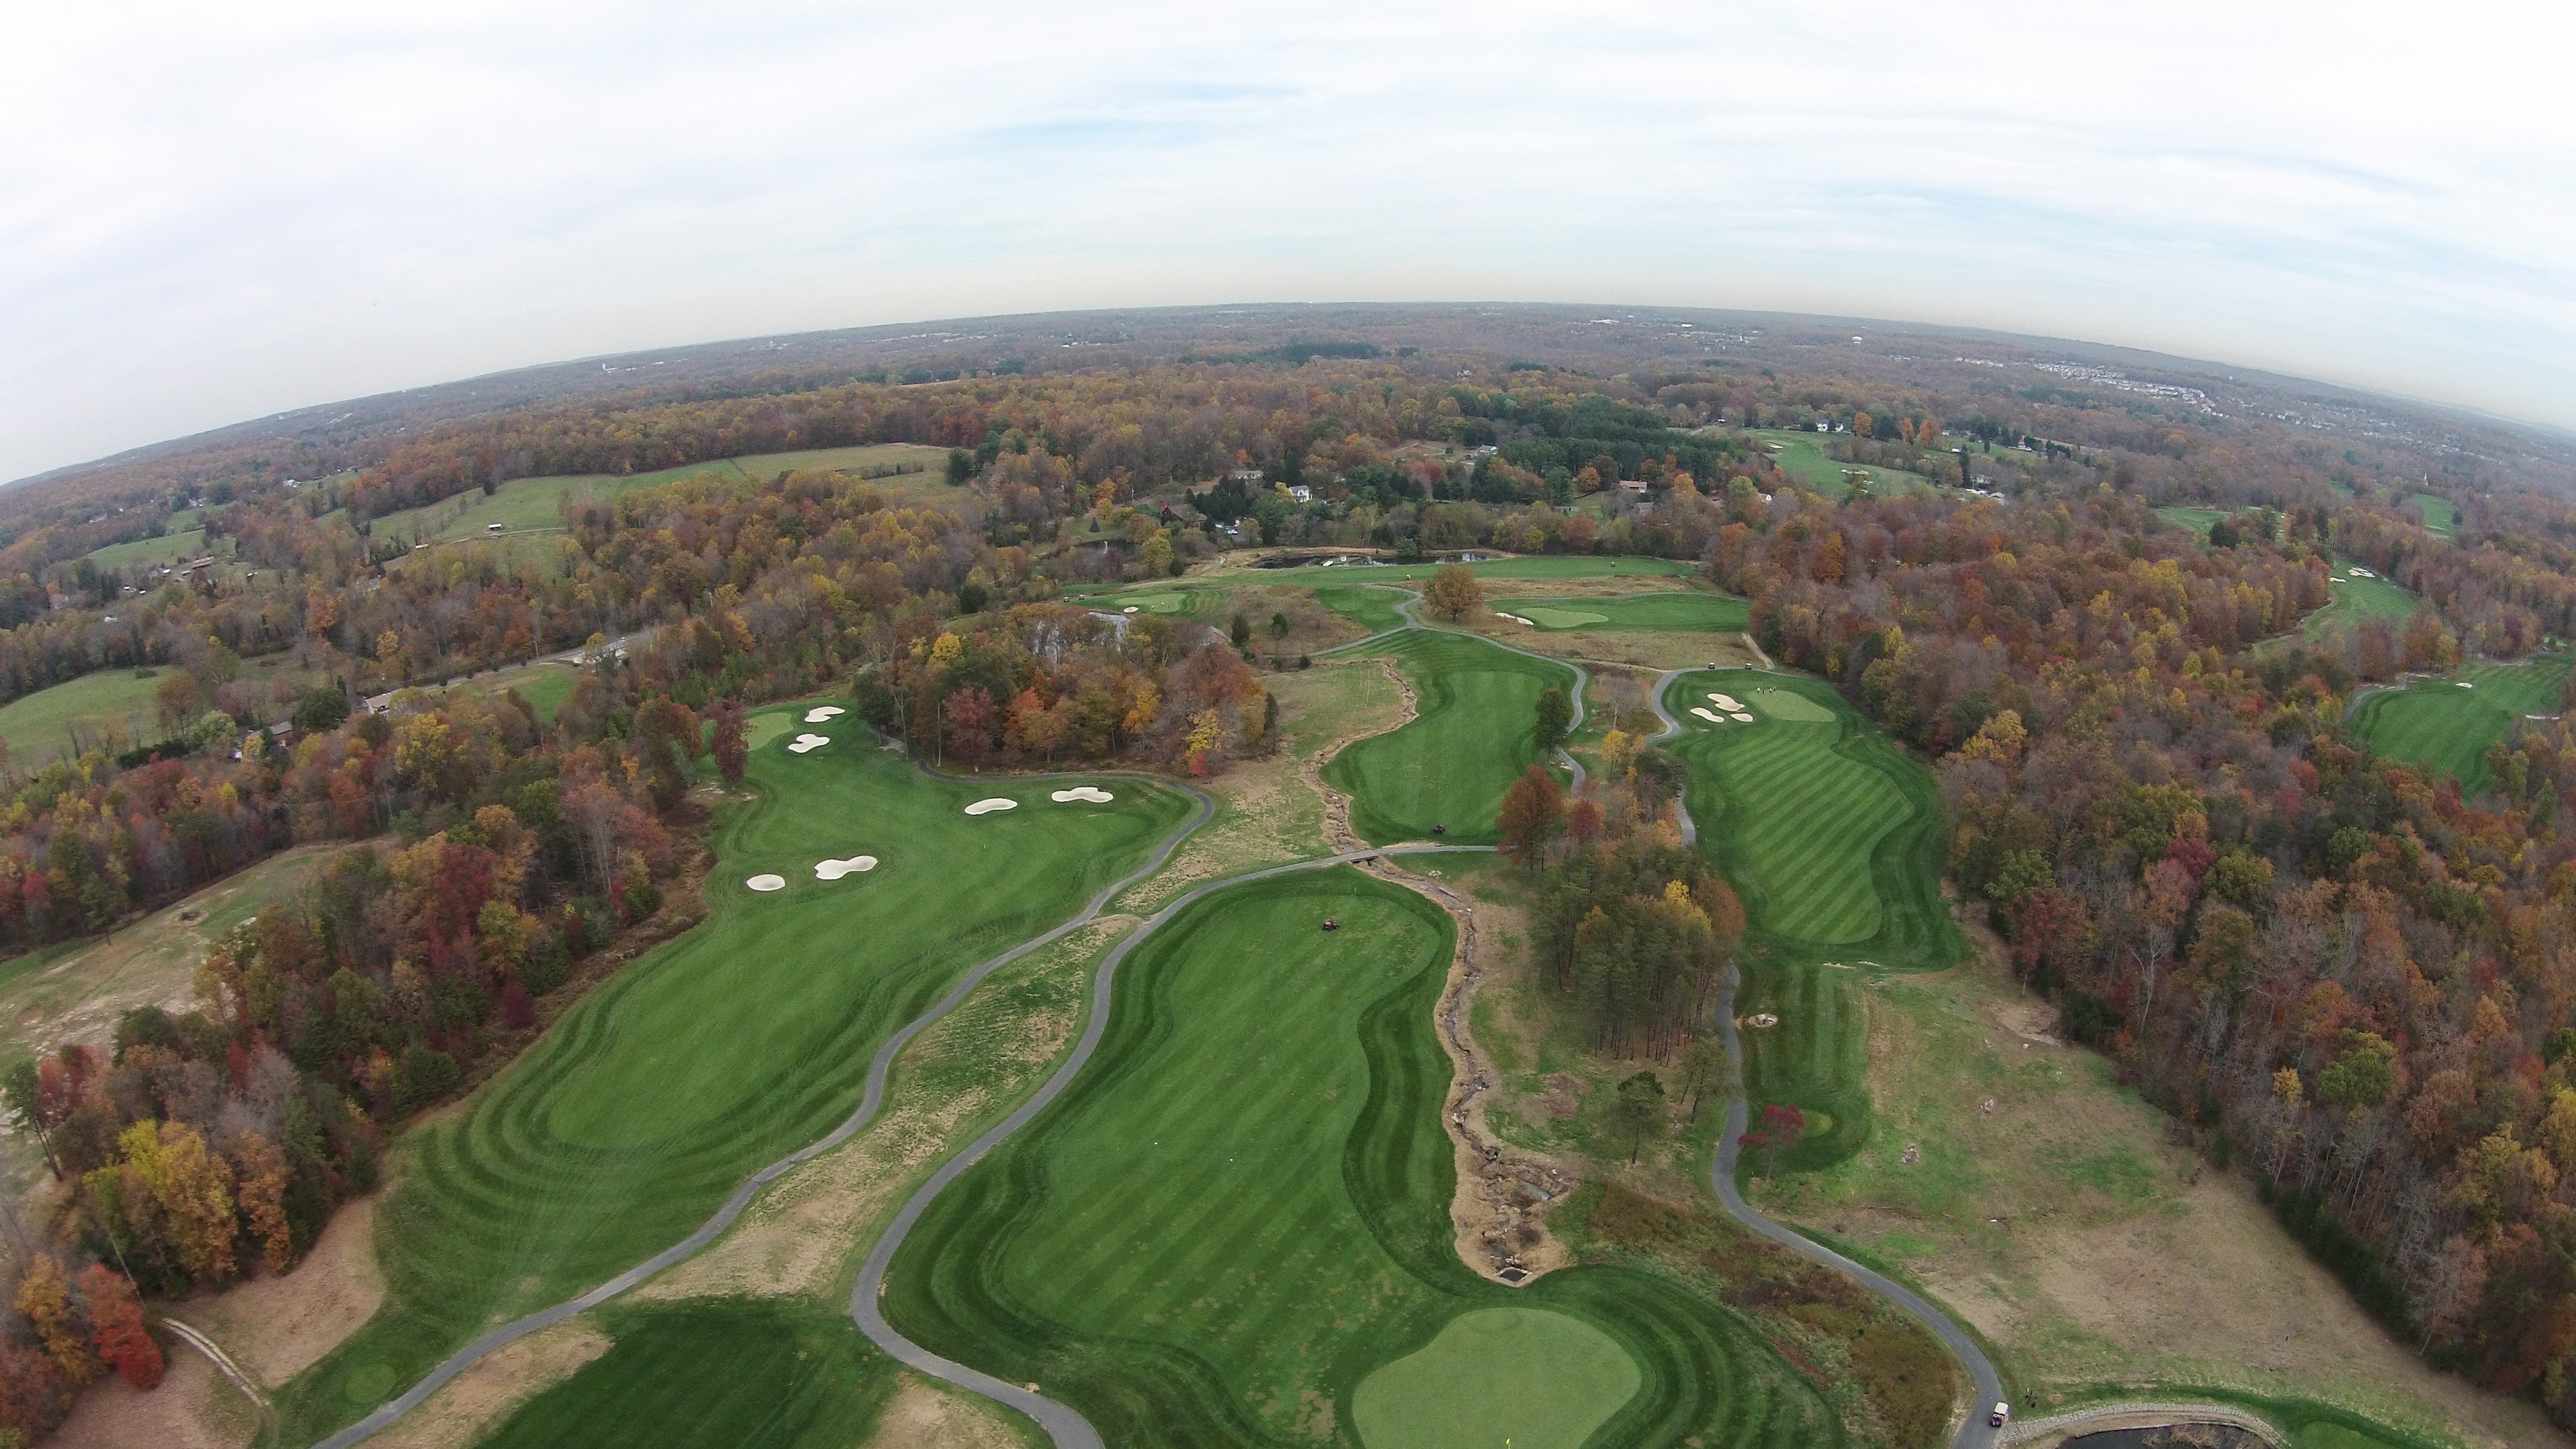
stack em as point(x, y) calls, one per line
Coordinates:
point(538, 503)
point(1234, 1228)
point(2447, 724)
point(745, 1038)
point(1477, 730)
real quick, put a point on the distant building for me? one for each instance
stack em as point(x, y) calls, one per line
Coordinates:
point(1301, 492)
point(1245, 475)
point(1824, 425)
point(1634, 485)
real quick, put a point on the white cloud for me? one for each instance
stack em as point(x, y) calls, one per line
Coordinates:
point(207, 214)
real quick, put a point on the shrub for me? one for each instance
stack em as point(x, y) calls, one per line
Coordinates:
point(422, 1077)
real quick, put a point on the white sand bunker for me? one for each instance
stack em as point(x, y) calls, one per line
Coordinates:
point(2464, 684)
point(1704, 712)
point(1131, 608)
point(767, 882)
point(1725, 702)
point(1742, 718)
point(2361, 573)
point(807, 743)
point(820, 713)
point(1092, 794)
point(835, 869)
point(987, 807)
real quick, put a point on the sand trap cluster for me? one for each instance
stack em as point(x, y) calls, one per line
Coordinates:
point(1515, 618)
point(987, 807)
point(767, 883)
point(822, 712)
point(807, 743)
point(835, 869)
point(1704, 712)
point(2361, 573)
point(1091, 794)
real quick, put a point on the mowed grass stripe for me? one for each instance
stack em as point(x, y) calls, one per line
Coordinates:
point(1476, 732)
point(749, 1036)
point(1240, 1210)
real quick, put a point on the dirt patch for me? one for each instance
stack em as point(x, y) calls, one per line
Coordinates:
point(923, 1416)
point(194, 1408)
point(801, 1233)
point(478, 1399)
point(1564, 1096)
point(275, 1328)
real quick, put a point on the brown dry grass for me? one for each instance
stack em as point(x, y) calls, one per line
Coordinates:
point(481, 1397)
point(2082, 1244)
point(799, 1237)
point(275, 1328)
point(930, 1415)
point(194, 1408)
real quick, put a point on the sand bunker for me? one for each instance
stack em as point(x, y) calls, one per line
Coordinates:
point(2361, 573)
point(767, 882)
point(1131, 608)
point(1704, 712)
point(1725, 702)
point(807, 743)
point(1742, 718)
point(987, 807)
point(835, 869)
point(2464, 684)
point(822, 712)
point(1093, 794)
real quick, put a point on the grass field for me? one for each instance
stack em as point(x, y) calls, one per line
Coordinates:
point(1801, 455)
point(2441, 515)
point(2356, 599)
point(537, 502)
point(735, 1043)
point(1239, 1215)
point(40, 725)
point(170, 548)
point(1372, 608)
point(1700, 613)
point(1476, 732)
point(2197, 520)
point(2438, 724)
point(1534, 567)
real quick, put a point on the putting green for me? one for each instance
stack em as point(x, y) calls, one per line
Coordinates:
point(1547, 617)
point(1516, 1376)
point(1785, 704)
point(760, 729)
point(1159, 603)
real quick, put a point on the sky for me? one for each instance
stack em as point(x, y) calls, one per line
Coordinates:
point(209, 213)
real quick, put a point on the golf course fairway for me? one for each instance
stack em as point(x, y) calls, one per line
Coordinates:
point(2446, 728)
point(747, 1037)
point(1690, 613)
point(1494, 1376)
point(1238, 1213)
point(1476, 731)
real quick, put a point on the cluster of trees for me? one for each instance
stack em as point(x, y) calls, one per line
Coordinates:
point(2330, 966)
point(1036, 684)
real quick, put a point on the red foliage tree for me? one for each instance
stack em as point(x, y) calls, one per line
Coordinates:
point(116, 1326)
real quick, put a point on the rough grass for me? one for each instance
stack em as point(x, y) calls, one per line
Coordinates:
point(2197, 520)
point(1476, 732)
point(1801, 455)
point(74, 991)
point(2437, 724)
point(745, 1375)
point(747, 1037)
point(1698, 613)
point(1498, 1375)
point(2097, 1259)
point(1240, 1210)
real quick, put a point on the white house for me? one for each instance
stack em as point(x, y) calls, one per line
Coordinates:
point(1301, 492)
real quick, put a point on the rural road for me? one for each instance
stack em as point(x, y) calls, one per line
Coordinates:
point(1066, 1427)
point(873, 1096)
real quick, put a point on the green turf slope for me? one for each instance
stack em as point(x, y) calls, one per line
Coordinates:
point(736, 1043)
point(1498, 1376)
point(715, 1375)
point(1689, 613)
point(1835, 841)
point(2438, 724)
point(1239, 1212)
point(1477, 730)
